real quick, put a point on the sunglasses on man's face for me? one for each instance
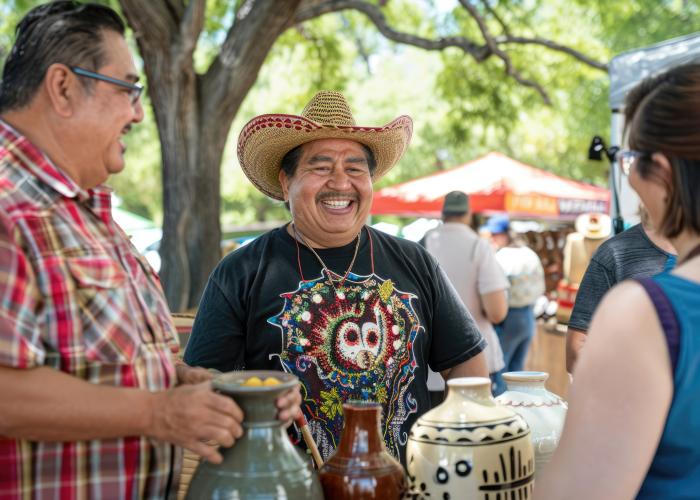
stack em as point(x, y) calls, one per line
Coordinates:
point(626, 158)
point(135, 89)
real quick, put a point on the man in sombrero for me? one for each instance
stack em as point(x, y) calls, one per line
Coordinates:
point(355, 313)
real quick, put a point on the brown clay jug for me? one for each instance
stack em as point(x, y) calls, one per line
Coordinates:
point(361, 467)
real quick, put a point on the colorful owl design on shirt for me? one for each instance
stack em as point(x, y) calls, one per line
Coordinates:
point(350, 342)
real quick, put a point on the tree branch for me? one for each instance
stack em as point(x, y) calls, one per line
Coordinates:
point(308, 4)
point(151, 21)
point(492, 11)
point(554, 46)
point(191, 27)
point(493, 47)
point(227, 81)
point(167, 29)
point(311, 10)
point(176, 8)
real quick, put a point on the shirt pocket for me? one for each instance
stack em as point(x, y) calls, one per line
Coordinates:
point(108, 333)
point(157, 307)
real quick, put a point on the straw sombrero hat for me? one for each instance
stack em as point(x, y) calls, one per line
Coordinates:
point(594, 225)
point(267, 138)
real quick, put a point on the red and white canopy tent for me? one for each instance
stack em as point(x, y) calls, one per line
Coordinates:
point(494, 183)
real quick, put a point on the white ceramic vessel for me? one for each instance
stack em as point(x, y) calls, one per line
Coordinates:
point(470, 447)
point(544, 411)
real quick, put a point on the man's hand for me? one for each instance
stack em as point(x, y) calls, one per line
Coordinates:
point(191, 375)
point(191, 415)
point(288, 405)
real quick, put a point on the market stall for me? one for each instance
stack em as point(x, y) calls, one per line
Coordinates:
point(495, 183)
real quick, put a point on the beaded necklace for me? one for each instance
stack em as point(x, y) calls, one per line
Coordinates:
point(300, 237)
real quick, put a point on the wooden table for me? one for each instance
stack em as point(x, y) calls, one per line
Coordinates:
point(548, 354)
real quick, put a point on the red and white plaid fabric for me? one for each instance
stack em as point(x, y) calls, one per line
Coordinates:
point(76, 296)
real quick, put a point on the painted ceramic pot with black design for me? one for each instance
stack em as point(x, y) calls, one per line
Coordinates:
point(470, 447)
point(361, 467)
point(544, 411)
point(263, 463)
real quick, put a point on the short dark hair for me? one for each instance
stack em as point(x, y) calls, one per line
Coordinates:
point(290, 161)
point(662, 116)
point(63, 31)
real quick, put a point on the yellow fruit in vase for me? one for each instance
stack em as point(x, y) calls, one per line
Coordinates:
point(253, 382)
point(271, 381)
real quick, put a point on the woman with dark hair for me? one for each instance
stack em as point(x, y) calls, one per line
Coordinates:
point(633, 426)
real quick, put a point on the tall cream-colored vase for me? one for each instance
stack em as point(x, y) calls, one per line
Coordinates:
point(544, 411)
point(470, 447)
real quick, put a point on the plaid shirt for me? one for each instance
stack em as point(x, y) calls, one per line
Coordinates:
point(76, 296)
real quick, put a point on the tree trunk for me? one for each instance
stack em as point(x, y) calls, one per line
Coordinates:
point(191, 204)
point(194, 114)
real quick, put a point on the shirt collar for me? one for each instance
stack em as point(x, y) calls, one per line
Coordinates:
point(33, 159)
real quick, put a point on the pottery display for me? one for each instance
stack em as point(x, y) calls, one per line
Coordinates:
point(361, 467)
point(544, 411)
point(263, 463)
point(470, 447)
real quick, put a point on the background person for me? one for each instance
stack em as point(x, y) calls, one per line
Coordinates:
point(633, 423)
point(90, 407)
point(525, 274)
point(591, 231)
point(353, 312)
point(470, 264)
point(638, 252)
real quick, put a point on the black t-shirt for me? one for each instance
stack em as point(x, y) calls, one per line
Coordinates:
point(630, 254)
point(369, 338)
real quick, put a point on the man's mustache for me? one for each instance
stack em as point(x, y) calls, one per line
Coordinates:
point(336, 195)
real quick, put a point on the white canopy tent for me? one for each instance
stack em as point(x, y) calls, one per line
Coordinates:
point(626, 70)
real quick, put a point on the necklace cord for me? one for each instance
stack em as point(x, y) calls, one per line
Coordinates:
point(329, 272)
point(371, 250)
point(301, 273)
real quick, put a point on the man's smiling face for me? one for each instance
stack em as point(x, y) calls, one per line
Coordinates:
point(330, 193)
point(105, 114)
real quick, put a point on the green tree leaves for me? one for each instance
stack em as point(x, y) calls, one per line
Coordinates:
point(461, 108)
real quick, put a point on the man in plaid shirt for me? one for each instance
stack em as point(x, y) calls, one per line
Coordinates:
point(92, 399)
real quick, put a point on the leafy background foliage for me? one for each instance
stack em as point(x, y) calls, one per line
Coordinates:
point(461, 108)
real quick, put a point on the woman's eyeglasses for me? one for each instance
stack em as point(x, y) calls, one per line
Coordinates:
point(626, 158)
point(134, 88)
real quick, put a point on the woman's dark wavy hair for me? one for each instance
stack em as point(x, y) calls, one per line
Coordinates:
point(65, 32)
point(663, 115)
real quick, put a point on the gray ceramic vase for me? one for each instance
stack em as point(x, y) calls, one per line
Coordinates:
point(263, 463)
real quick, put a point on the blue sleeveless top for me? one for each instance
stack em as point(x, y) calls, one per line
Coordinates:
point(675, 470)
point(670, 263)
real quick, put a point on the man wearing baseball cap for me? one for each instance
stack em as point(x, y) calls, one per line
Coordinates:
point(470, 263)
point(524, 271)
